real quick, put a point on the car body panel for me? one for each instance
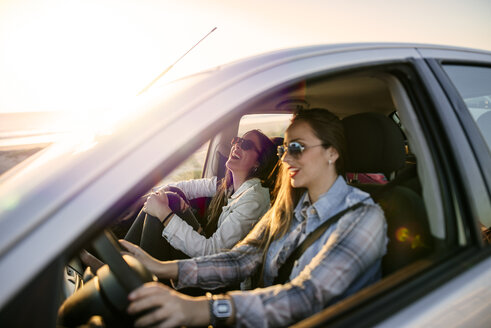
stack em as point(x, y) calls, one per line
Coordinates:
point(462, 302)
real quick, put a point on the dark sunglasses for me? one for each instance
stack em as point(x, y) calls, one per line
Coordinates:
point(244, 144)
point(294, 148)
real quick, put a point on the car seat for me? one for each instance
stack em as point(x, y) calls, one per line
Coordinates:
point(376, 144)
point(277, 141)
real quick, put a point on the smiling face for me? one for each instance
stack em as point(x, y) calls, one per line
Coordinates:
point(311, 168)
point(242, 161)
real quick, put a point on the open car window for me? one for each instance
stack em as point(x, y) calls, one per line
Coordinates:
point(192, 168)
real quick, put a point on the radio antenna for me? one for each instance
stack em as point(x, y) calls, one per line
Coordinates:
point(170, 67)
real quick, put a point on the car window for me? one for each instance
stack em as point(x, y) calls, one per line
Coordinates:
point(474, 85)
point(192, 168)
point(272, 125)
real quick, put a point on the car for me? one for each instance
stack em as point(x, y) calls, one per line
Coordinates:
point(435, 100)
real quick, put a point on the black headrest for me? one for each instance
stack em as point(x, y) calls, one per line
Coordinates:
point(375, 144)
point(277, 141)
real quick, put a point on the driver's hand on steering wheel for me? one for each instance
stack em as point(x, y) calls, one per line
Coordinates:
point(161, 306)
point(146, 259)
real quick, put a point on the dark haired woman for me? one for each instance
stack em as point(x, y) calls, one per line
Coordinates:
point(345, 257)
point(237, 204)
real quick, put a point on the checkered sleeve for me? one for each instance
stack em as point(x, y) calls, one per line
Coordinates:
point(358, 241)
point(219, 270)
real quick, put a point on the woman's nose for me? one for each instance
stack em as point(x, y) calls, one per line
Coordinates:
point(287, 158)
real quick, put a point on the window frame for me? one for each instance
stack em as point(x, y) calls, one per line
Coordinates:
point(469, 124)
point(394, 293)
point(479, 148)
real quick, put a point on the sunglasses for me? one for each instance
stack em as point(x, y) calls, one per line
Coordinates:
point(294, 148)
point(244, 144)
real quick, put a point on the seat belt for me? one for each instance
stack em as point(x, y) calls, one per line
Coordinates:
point(286, 268)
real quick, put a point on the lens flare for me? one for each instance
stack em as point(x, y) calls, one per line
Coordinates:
point(404, 235)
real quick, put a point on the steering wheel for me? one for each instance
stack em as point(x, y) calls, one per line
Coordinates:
point(106, 295)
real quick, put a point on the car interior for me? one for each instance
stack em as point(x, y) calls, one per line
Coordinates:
point(386, 138)
point(377, 144)
point(369, 104)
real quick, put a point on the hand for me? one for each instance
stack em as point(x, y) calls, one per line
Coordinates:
point(184, 205)
point(175, 202)
point(157, 205)
point(146, 259)
point(163, 270)
point(167, 307)
point(178, 194)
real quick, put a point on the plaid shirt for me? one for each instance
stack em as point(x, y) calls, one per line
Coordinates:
point(344, 260)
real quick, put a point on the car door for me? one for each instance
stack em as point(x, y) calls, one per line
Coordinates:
point(448, 96)
point(460, 83)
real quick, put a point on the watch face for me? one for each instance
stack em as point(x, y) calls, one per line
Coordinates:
point(222, 308)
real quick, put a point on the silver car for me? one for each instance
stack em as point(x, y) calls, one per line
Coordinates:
point(435, 156)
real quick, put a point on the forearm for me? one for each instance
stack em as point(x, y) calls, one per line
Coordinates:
point(200, 316)
point(184, 238)
point(167, 270)
point(234, 226)
point(197, 187)
point(219, 270)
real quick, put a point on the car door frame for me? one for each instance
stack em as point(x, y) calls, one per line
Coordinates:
point(464, 268)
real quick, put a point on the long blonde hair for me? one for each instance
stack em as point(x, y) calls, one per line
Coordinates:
point(277, 221)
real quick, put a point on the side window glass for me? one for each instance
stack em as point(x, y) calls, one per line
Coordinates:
point(474, 85)
point(192, 168)
point(272, 125)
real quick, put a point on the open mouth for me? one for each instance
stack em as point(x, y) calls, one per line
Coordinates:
point(235, 156)
point(292, 171)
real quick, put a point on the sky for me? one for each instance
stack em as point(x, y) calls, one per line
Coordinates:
point(86, 55)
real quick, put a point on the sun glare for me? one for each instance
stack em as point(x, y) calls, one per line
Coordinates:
point(81, 56)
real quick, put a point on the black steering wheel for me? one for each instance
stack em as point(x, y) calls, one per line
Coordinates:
point(106, 295)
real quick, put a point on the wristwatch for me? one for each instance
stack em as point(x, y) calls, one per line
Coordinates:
point(220, 309)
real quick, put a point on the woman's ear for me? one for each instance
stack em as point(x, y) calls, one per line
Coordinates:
point(331, 155)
